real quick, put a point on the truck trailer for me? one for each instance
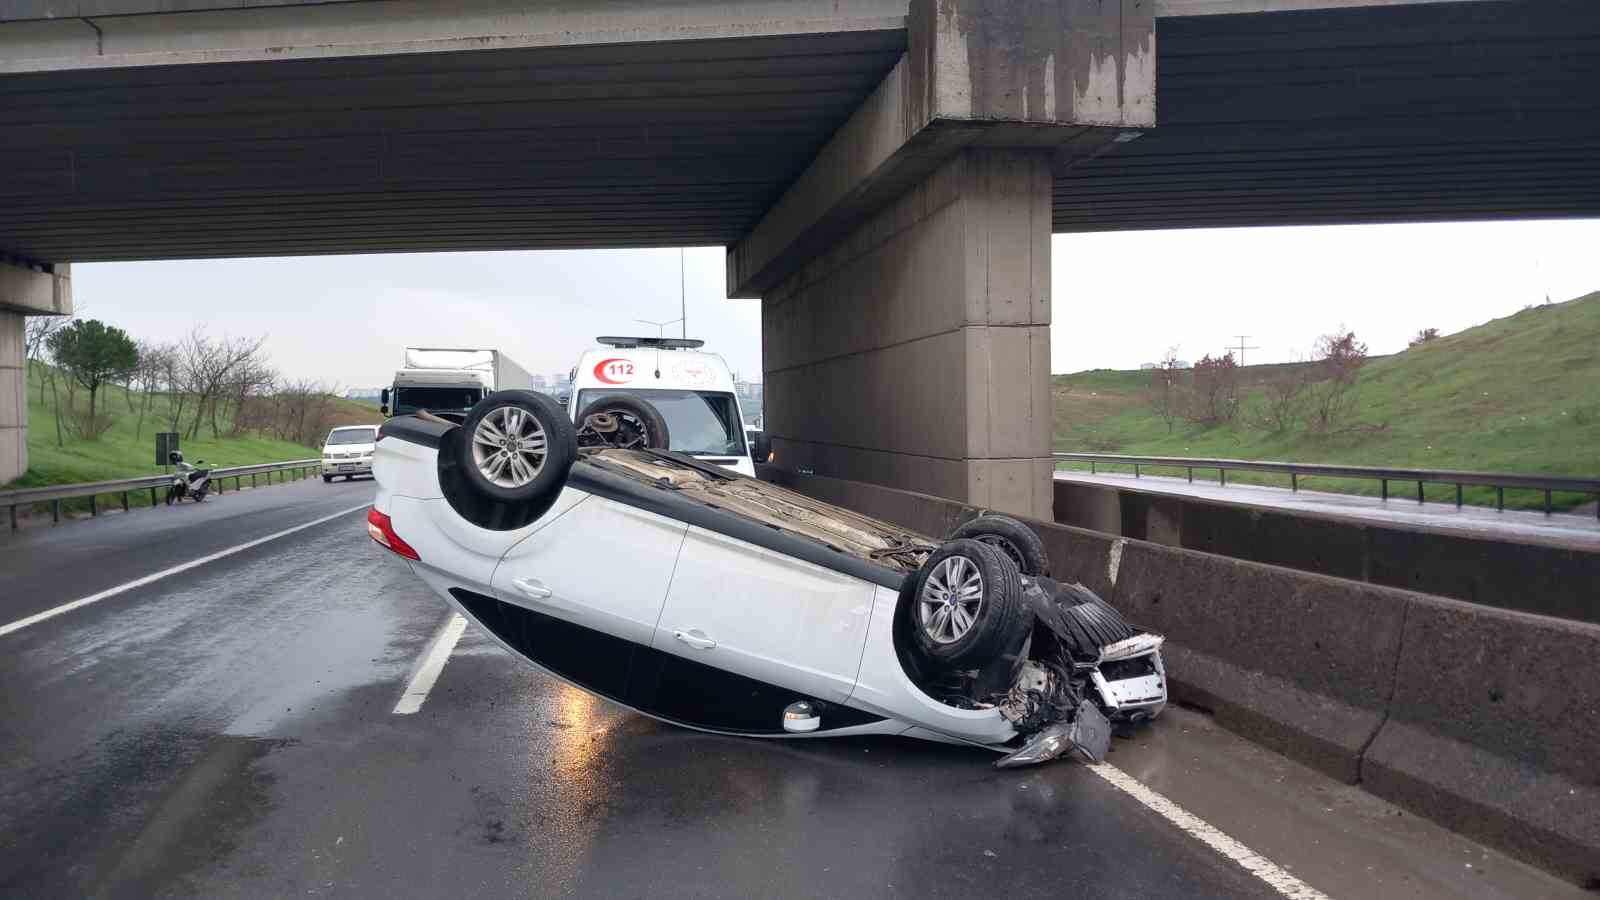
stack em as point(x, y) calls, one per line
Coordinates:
point(450, 379)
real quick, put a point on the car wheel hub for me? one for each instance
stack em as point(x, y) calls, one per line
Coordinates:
point(950, 600)
point(509, 447)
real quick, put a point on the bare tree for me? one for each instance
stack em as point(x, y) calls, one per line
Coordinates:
point(174, 375)
point(1285, 397)
point(1215, 395)
point(155, 361)
point(209, 364)
point(36, 342)
point(1332, 395)
point(1166, 387)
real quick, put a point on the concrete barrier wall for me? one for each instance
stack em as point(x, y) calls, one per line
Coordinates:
point(1480, 718)
point(1542, 578)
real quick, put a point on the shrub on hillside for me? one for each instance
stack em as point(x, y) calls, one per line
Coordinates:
point(1285, 398)
point(1214, 390)
point(1331, 397)
point(1166, 387)
point(1424, 336)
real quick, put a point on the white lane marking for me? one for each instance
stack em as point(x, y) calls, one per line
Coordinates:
point(438, 654)
point(36, 618)
point(1251, 861)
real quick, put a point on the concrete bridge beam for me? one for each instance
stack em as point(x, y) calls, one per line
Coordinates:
point(25, 290)
point(905, 276)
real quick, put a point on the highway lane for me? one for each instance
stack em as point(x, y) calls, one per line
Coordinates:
point(228, 731)
point(46, 566)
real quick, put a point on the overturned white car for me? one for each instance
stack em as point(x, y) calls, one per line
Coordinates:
point(723, 603)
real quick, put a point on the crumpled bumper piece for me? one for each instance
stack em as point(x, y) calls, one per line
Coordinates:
point(1089, 733)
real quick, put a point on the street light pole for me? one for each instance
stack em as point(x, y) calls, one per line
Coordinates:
point(659, 325)
point(683, 297)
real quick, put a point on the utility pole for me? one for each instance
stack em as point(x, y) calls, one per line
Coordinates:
point(683, 295)
point(1242, 348)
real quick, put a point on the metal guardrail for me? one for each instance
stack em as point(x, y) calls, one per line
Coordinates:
point(54, 494)
point(1499, 481)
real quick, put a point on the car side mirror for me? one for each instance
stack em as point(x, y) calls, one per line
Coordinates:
point(763, 447)
point(383, 397)
point(384, 409)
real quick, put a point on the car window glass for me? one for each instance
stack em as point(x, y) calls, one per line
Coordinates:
point(434, 399)
point(352, 436)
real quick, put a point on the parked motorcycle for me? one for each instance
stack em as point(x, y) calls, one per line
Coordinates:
point(189, 481)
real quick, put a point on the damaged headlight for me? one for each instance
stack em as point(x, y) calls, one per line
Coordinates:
point(1089, 733)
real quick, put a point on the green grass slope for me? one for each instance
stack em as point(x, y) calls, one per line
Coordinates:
point(1518, 394)
point(125, 452)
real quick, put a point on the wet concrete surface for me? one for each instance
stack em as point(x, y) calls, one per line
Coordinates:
point(1565, 529)
point(227, 732)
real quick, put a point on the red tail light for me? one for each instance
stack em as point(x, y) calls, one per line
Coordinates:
point(380, 529)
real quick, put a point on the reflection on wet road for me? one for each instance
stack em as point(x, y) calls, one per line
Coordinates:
point(229, 731)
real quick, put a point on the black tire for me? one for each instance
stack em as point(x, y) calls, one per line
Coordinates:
point(327, 479)
point(523, 475)
point(170, 496)
point(198, 496)
point(1016, 540)
point(622, 422)
point(996, 619)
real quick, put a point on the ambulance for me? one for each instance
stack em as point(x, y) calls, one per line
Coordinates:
point(692, 390)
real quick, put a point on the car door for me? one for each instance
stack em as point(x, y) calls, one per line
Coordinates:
point(602, 565)
point(764, 615)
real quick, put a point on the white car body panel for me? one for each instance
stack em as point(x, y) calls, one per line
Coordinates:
point(773, 618)
point(882, 687)
point(568, 573)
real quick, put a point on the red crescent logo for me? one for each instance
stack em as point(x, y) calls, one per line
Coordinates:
point(600, 374)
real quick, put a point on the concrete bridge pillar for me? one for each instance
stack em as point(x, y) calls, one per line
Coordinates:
point(905, 277)
point(24, 291)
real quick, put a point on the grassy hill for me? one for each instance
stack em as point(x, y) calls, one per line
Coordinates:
point(125, 451)
point(1518, 394)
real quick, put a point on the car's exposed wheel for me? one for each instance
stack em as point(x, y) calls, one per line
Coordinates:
point(622, 422)
point(1016, 540)
point(969, 605)
point(516, 447)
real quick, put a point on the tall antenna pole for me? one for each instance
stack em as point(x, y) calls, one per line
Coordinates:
point(1242, 348)
point(683, 295)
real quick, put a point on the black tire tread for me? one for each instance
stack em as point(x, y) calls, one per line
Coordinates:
point(1035, 561)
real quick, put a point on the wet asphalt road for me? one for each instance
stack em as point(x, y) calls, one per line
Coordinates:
point(227, 732)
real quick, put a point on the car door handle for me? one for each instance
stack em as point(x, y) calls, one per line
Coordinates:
point(696, 639)
point(532, 588)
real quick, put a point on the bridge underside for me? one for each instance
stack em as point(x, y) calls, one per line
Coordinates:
point(1408, 114)
point(663, 144)
point(886, 183)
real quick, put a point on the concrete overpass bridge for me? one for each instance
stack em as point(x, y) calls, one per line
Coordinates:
point(886, 175)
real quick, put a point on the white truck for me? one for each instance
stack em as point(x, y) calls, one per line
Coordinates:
point(450, 379)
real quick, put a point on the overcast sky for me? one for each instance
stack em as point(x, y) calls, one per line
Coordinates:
point(1119, 299)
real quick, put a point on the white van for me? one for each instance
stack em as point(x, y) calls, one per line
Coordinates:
point(692, 390)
